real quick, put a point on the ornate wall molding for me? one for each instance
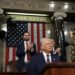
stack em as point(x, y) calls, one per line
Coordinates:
point(39, 5)
point(30, 18)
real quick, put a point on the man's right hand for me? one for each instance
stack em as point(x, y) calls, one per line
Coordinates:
point(58, 51)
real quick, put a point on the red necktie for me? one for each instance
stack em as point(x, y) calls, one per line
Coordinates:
point(48, 61)
point(28, 52)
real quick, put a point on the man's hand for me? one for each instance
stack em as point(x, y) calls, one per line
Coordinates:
point(30, 46)
point(58, 51)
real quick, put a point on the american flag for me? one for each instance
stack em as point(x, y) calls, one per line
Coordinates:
point(14, 35)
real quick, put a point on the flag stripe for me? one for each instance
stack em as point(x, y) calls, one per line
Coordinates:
point(29, 29)
point(7, 56)
point(35, 35)
point(44, 30)
point(35, 32)
point(32, 32)
point(41, 32)
point(38, 37)
point(10, 54)
point(14, 54)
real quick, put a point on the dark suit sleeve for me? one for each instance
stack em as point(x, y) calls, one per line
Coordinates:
point(57, 57)
point(33, 50)
point(20, 52)
point(32, 66)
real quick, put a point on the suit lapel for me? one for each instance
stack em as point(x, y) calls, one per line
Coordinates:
point(23, 45)
point(42, 58)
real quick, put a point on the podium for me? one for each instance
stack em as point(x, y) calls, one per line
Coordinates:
point(51, 69)
point(13, 73)
point(59, 69)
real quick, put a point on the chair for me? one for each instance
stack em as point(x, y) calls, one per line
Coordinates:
point(11, 66)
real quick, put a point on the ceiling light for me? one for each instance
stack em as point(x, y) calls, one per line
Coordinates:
point(66, 6)
point(65, 32)
point(52, 5)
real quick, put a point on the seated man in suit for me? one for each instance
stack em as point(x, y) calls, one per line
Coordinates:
point(25, 50)
point(39, 61)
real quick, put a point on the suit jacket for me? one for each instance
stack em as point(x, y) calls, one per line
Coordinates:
point(20, 53)
point(38, 63)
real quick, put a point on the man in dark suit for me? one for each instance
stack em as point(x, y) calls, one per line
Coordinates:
point(39, 61)
point(25, 50)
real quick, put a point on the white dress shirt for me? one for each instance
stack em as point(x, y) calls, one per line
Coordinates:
point(25, 59)
point(45, 56)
